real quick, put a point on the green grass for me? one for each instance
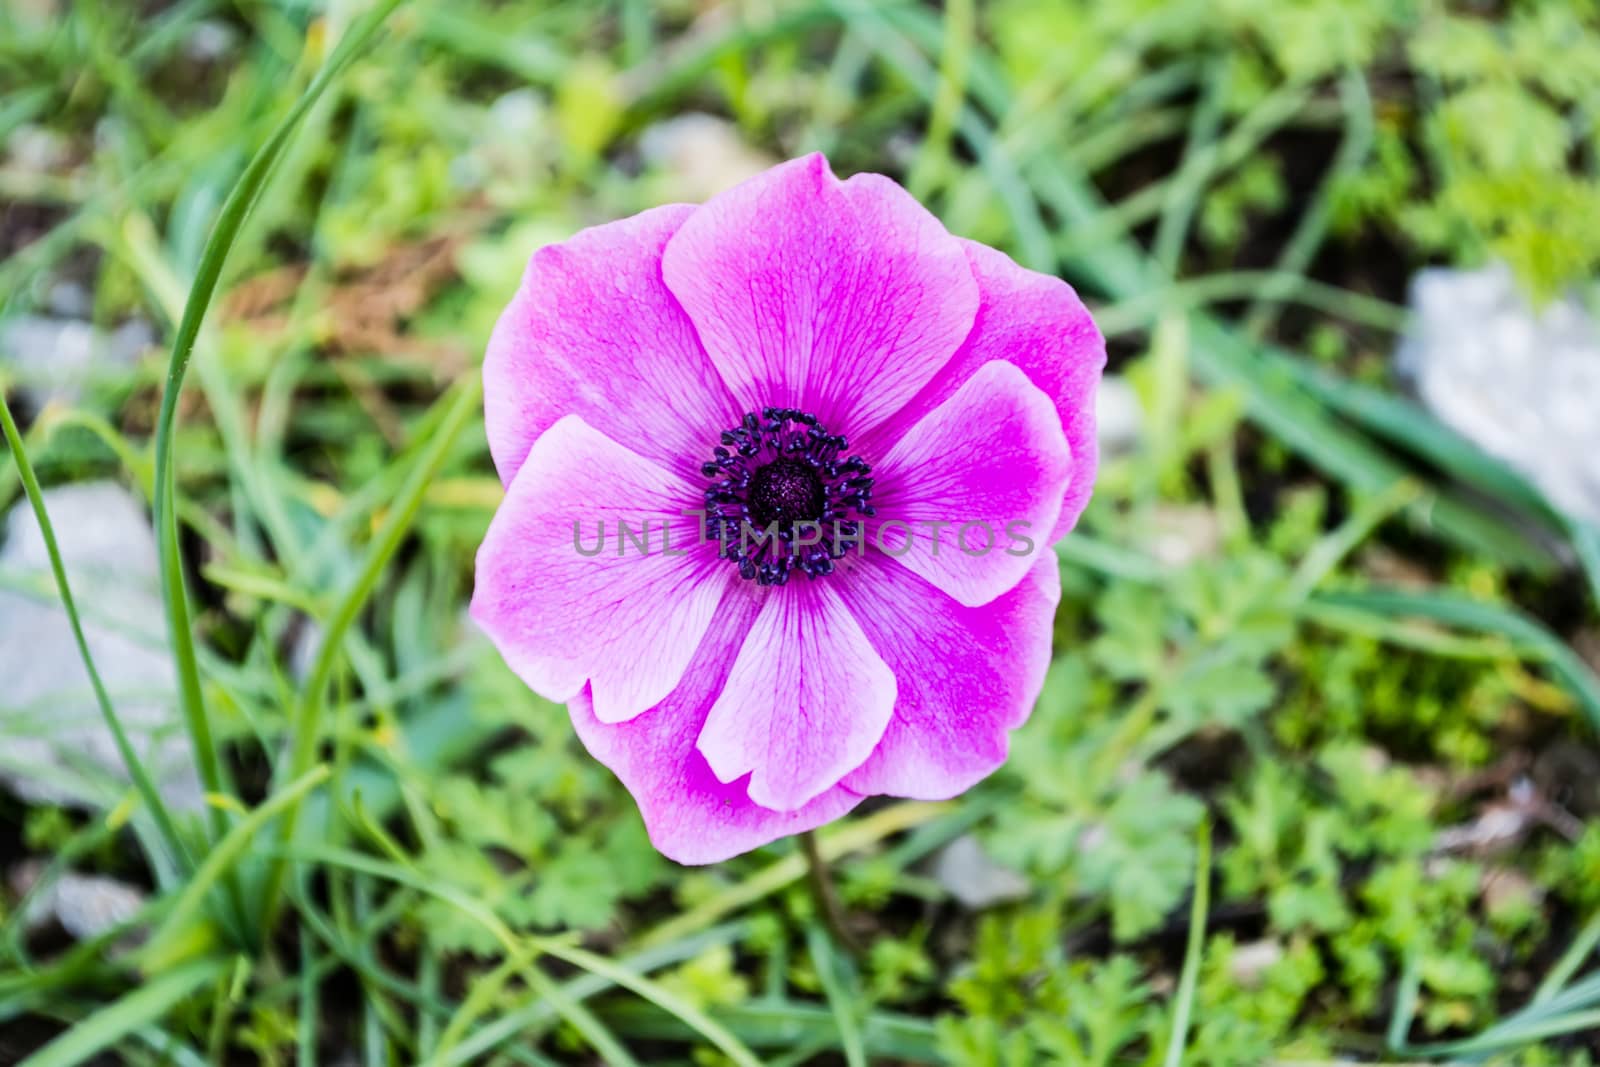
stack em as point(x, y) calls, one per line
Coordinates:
point(1228, 802)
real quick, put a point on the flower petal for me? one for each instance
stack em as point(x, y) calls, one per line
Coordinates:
point(622, 620)
point(593, 331)
point(805, 702)
point(1038, 323)
point(839, 298)
point(691, 816)
point(988, 460)
point(968, 676)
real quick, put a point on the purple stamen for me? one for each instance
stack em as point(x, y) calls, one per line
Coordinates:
point(781, 471)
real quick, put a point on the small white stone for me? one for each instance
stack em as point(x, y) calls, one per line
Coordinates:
point(701, 155)
point(86, 906)
point(965, 870)
point(37, 149)
point(129, 341)
point(70, 300)
point(1523, 383)
point(1251, 960)
point(1177, 535)
point(517, 113)
point(56, 357)
point(508, 147)
point(1497, 827)
point(54, 743)
point(1505, 888)
point(1119, 417)
point(89, 906)
point(209, 41)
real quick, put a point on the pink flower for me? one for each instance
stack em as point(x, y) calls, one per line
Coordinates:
point(819, 355)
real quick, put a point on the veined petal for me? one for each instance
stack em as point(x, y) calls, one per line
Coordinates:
point(1036, 322)
point(625, 619)
point(842, 299)
point(967, 676)
point(991, 465)
point(691, 815)
point(806, 701)
point(593, 331)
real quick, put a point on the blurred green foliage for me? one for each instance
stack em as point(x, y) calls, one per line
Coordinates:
point(1199, 170)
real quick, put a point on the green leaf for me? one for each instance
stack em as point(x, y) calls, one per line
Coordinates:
point(146, 1004)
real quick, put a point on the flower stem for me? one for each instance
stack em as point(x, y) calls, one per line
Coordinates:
point(827, 897)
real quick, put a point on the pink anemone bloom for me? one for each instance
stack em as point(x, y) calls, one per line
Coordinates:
point(782, 475)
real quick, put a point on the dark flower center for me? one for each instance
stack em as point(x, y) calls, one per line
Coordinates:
point(786, 491)
point(782, 497)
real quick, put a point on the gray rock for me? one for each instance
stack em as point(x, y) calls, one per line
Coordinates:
point(86, 906)
point(965, 870)
point(52, 356)
point(1250, 961)
point(37, 149)
point(1177, 535)
point(520, 110)
point(56, 357)
point(700, 155)
point(1119, 417)
point(210, 41)
point(510, 147)
point(70, 300)
point(1523, 383)
point(54, 744)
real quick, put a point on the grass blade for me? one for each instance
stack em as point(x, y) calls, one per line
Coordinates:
point(306, 722)
point(1453, 609)
point(927, 171)
point(1586, 543)
point(840, 1001)
point(171, 937)
point(658, 995)
point(519, 949)
point(889, 1038)
point(597, 1033)
point(1317, 218)
point(1183, 198)
point(1581, 949)
point(847, 838)
point(207, 275)
point(1405, 1004)
point(1189, 978)
point(529, 1020)
point(135, 1010)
